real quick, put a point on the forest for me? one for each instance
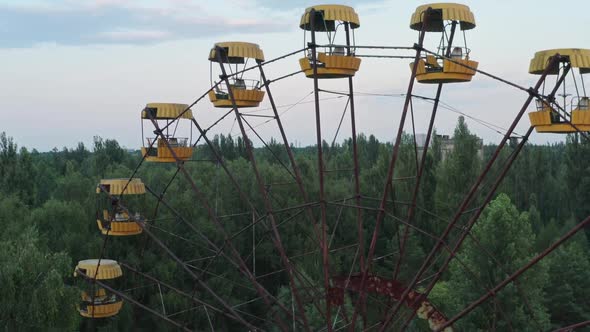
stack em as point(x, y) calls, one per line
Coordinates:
point(48, 212)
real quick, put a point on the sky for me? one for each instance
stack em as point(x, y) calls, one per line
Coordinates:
point(72, 69)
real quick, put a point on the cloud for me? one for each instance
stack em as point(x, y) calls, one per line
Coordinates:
point(124, 35)
point(125, 22)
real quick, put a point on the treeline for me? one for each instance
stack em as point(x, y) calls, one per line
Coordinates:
point(48, 216)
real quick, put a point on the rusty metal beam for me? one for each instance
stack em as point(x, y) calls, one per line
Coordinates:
point(571, 328)
point(362, 298)
point(133, 301)
point(276, 238)
point(201, 197)
point(420, 170)
point(468, 198)
point(323, 207)
point(519, 272)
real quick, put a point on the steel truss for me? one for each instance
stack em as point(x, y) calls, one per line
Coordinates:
point(271, 216)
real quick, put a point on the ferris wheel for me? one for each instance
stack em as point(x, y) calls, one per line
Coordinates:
point(342, 284)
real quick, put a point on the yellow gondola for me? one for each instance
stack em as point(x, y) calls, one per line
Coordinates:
point(548, 118)
point(334, 61)
point(165, 114)
point(109, 216)
point(103, 304)
point(436, 68)
point(246, 91)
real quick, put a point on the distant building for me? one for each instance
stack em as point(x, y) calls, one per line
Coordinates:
point(447, 145)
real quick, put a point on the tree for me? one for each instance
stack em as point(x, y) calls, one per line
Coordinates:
point(459, 170)
point(506, 233)
point(568, 290)
point(32, 286)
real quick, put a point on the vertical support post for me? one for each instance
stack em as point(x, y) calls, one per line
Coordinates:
point(357, 181)
point(390, 172)
point(261, 187)
point(420, 170)
point(322, 198)
point(296, 170)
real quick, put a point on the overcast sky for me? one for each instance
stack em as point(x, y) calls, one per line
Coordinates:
point(73, 69)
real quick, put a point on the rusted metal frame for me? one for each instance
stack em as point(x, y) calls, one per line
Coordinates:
point(571, 328)
point(516, 283)
point(221, 163)
point(568, 121)
point(390, 172)
point(218, 251)
point(203, 132)
point(519, 272)
point(339, 170)
point(301, 277)
point(388, 201)
point(357, 181)
point(254, 300)
point(333, 144)
point(344, 94)
point(276, 238)
point(473, 220)
point(469, 196)
point(267, 232)
point(164, 191)
point(204, 201)
point(267, 82)
point(296, 176)
point(186, 222)
point(217, 276)
point(269, 149)
point(412, 208)
point(236, 73)
point(307, 253)
point(338, 218)
point(288, 106)
point(183, 311)
point(257, 115)
point(234, 215)
point(170, 253)
point(354, 206)
point(551, 98)
point(196, 244)
point(322, 199)
point(176, 290)
point(343, 307)
point(276, 184)
point(143, 158)
point(384, 56)
point(195, 277)
point(497, 78)
point(482, 283)
point(189, 107)
point(414, 136)
point(133, 301)
point(372, 47)
point(418, 229)
point(145, 239)
point(489, 254)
